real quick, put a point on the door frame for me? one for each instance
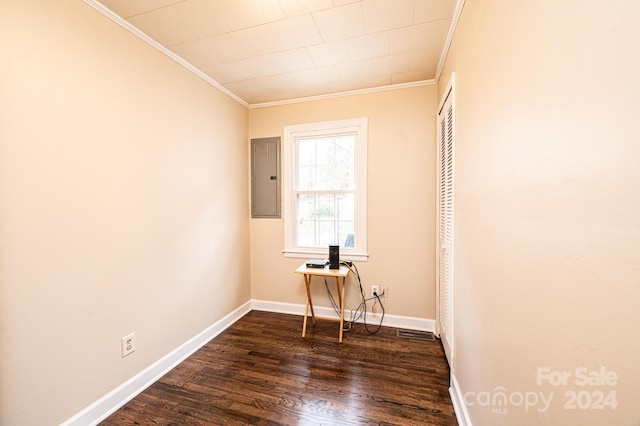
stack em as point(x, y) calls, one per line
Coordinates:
point(447, 343)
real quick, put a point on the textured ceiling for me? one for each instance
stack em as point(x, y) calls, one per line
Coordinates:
point(275, 50)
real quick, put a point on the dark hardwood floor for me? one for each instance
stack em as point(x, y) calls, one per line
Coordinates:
point(261, 372)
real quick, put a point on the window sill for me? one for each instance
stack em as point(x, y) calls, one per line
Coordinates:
point(322, 254)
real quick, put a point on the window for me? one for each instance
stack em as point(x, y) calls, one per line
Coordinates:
point(325, 184)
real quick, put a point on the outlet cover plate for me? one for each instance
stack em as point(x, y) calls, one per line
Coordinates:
point(128, 344)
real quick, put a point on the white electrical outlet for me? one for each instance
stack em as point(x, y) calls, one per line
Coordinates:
point(128, 344)
point(379, 290)
point(375, 290)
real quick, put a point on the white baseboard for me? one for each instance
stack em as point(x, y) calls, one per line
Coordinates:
point(115, 399)
point(458, 403)
point(108, 404)
point(397, 321)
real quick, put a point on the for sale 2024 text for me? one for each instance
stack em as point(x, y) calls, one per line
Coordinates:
point(594, 387)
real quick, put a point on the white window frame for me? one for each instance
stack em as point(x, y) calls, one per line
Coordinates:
point(326, 128)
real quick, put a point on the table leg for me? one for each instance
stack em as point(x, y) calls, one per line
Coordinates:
point(341, 292)
point(309, 304)
point(308, 283)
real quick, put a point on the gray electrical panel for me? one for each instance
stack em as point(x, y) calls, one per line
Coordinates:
point(265, 177)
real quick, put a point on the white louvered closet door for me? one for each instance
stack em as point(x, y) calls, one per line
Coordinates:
point(445, 221)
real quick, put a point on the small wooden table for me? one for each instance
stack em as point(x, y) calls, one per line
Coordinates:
point(340, 275)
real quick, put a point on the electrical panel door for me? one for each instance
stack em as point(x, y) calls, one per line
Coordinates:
point(265, 177)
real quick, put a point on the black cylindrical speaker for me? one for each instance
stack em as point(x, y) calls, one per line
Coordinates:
point(334, 257)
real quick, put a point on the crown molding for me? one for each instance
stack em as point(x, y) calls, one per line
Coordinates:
point(447, 43)
point(343, 94)
point(144, 37)
point(135, 31)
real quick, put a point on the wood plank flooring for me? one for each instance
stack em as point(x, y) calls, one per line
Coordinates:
point(261, 372)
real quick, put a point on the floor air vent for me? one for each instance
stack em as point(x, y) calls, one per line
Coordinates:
point(413, 334)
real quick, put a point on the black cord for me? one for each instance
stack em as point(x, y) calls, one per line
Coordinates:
point(381, 318)
point(336, 308)
point(361, 310)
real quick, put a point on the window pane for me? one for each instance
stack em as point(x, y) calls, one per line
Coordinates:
point(345, 206)
point(344, 162)
point(306, 207)
point(325, 207)
point(306, 152)
point(306, 177)
point(346, 234)
point(326, 163)
point(306, 236)
point(326, 233)
point(325, 219)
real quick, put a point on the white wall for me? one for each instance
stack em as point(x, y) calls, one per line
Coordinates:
point(547, 204)
point(401, 201)
point(124, 206)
